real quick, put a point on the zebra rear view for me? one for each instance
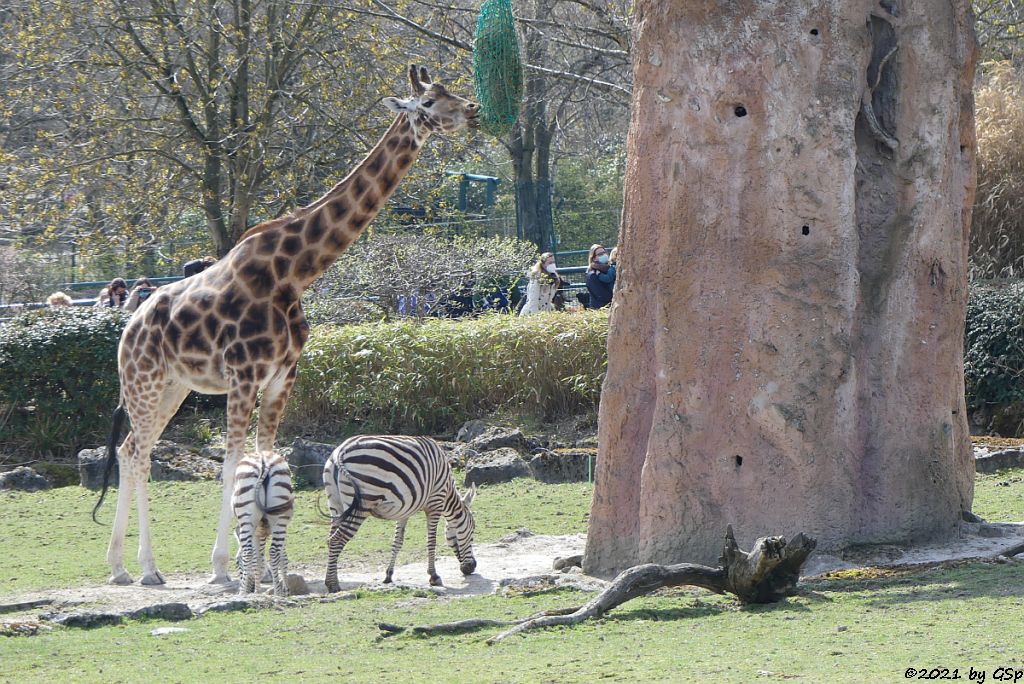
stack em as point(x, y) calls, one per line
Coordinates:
point(263, 502)
point(393, 478)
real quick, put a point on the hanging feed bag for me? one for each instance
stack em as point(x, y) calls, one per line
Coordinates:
point(497, 69)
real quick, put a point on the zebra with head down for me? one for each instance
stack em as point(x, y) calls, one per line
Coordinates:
point(392, 478)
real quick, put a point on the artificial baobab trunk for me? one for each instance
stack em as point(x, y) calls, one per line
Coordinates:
point(787, 334)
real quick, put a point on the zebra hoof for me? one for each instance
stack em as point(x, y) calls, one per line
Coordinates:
point(387, 579)
point(435, 581)
point(153, 579)
point(122, 578)
point(333, 587)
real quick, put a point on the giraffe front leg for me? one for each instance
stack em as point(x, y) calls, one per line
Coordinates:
point(432, 519)
point(396, 545)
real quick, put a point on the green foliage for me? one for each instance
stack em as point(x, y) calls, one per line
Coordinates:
point(431, 376)
point(994, 345)
point(588, 199)
point(58, 377)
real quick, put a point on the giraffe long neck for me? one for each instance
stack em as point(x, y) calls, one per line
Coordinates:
point(336, 220)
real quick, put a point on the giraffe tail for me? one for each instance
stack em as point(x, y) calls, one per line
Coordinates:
point(115, 433)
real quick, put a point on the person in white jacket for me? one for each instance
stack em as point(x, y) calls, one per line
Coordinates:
point(542, 285)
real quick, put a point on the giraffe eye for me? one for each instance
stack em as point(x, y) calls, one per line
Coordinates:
point(428, 103)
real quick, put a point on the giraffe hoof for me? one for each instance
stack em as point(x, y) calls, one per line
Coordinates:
point(153, 579)
point(121, 578)
point(220, 578)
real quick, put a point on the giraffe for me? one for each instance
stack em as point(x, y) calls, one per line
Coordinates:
point(238, 328)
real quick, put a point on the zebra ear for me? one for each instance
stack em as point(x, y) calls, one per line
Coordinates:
point(467, 498)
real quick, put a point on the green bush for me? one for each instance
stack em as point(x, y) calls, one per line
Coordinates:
point(58, 378)
point(994, 345)
point(431, 376)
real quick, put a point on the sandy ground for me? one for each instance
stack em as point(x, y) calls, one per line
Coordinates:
point(519, 559)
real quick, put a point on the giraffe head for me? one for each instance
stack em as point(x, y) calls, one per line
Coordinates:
point(432, 108)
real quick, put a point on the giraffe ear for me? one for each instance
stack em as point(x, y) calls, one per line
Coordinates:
point(398, 106)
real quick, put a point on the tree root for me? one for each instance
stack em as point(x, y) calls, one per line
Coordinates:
point(765, 574)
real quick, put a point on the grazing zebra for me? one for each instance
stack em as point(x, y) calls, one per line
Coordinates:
point(263, 503)
point(393, 478)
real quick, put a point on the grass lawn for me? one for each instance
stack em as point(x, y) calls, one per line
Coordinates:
point(868, 625)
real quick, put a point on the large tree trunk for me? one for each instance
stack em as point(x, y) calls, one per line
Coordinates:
point(787, 333)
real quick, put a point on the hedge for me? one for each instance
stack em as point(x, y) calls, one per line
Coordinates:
point(431, 376)
point(58, 378)
point(994, 345)
point(58, 373)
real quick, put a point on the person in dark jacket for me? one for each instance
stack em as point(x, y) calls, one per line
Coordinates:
point(600, 277)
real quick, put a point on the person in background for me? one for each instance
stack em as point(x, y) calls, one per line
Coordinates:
point(140, 293)
point(113, 295)
point(58, 299)
point(542, 285)
point(197, 265)
point(600, 277)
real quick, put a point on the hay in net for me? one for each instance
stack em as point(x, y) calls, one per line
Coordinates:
point(497, 69)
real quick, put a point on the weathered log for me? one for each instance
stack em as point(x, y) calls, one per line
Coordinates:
point(767, 573)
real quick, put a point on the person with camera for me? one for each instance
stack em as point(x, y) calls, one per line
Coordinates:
point(141, 292)
point(114, 295)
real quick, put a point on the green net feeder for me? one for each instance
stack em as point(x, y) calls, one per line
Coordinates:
point(497, 68)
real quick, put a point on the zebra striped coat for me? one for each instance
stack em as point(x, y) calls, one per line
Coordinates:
point(394, 477)
point(263, 502)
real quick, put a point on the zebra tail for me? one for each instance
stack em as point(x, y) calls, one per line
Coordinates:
point(262, 484)
point(357, 493)
point(115, 434)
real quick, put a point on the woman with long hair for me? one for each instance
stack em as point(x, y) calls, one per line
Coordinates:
point(600, 277)
point(542, 285)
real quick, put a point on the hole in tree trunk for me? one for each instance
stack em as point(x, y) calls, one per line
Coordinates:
point(740, 111)
point(814, 32)
point(806, 230)
point(739, 461)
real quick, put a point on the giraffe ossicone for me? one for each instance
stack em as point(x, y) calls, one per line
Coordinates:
point(238, 328)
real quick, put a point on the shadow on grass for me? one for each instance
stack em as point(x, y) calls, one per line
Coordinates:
point(901, 585)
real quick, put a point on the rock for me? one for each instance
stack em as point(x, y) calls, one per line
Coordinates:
point(86, 620)
point(23, 479)
point(296, 585)
point(501, 465)
point(568, 562)
point(307, 462)
point(498, 438)
point(470, 430)
point(521, 533)
point(228, 606)
point(213, 453)
point(997, 460)
point(162, 611)
point(564, 465)
point(170, 461)
point(90, 468)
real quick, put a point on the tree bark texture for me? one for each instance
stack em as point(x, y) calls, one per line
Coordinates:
point(786, 344)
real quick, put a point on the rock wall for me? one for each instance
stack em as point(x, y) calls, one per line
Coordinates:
point(786, 339)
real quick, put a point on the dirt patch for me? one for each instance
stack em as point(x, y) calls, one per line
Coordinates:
point(520, 561)
point(518, 557)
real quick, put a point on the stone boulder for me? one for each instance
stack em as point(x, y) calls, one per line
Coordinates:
point(23, 479)
point(500, 465)
point(307, 462)
point(470, 430)
point(169, 461)
point(499, 438)
point(564, 465)
point(997, 460)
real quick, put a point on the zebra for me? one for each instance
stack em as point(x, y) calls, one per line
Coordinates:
point(263, 501)
point(394, 477)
